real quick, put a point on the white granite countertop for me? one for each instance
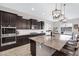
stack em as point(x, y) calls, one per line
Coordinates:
point(51, 41)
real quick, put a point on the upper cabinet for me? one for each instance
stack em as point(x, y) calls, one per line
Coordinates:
point(28, 26)
point(22, 23)
point(8, 19)
point(35, 24)
point(19, 22)
point(42, 24)
point(38, 25)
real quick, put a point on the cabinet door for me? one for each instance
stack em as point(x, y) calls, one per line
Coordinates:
point(8, 19)
point(13, 19)
point(0, 36)
point(22, 40)
point(18, 22)
point(0, 17)
point(21, 23)
point(24, 24)
point(42, 24)
point(39, 25)
point(28, 24)
point(33, 23)
point(0, 29)
point(26, 40)
point(5, 19)
point(19, 40)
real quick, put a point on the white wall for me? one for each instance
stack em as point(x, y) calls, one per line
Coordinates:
point(74, 21)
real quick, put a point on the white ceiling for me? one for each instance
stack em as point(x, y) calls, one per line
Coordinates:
point(44, 10)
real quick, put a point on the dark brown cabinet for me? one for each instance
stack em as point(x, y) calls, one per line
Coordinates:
point(12, 20)
point(42, 24)
point(28, 24)
point(8, 19)
point(34, 24)
point(33, 47)
point(22, 40)
point(22, 23)
point(33, 21)
point(5, 19)
point(19, 22)
point(39, 25)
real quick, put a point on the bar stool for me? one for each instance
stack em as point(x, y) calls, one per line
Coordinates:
point(70, 48)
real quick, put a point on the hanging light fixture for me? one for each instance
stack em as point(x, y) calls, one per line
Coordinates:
point(64, 19)
point(57, 14)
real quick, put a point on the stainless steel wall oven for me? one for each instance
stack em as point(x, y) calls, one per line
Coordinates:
point(8, 35)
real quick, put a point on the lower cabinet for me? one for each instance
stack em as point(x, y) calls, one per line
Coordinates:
point(22, 40)
point(33, 47)
point(38, 49)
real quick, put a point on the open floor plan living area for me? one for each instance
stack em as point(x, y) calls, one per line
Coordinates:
point(39, 29)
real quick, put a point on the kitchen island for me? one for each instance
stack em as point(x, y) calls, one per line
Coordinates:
point(47, 45)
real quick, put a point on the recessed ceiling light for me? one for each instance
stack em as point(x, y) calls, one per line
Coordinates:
point(33, 9)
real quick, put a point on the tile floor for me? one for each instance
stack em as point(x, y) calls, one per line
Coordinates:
point(18, 51)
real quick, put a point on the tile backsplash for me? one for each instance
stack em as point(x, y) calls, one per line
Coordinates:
point(26, 32)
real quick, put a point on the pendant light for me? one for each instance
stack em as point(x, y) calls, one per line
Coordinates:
point(56, 13)
point(59, 15)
